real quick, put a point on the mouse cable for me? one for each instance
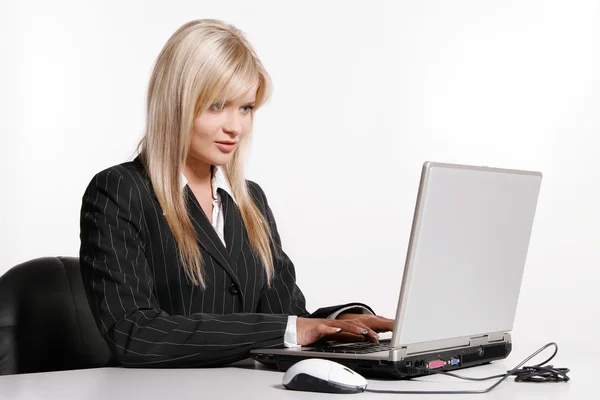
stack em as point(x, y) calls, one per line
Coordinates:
point(535, 373)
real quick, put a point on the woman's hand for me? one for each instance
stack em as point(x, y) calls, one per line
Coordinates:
point(348, 327)
point(376, 322)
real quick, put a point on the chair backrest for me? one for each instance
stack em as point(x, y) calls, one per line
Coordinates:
point(45, 320)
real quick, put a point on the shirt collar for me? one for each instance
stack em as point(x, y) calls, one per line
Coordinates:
point(219, 181)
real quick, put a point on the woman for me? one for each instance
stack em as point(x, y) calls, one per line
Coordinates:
point(180, 255)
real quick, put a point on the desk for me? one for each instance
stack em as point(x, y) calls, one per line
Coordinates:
point(250, 380)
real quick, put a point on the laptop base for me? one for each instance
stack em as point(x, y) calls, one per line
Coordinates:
point(410, 367)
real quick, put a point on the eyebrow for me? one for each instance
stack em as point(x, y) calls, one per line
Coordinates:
point(231, 101)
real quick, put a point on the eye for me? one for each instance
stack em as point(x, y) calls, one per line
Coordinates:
point(217, 106)
point(246, 109)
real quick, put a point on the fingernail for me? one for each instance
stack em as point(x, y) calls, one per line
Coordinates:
point(338, 330)
point(364, 331)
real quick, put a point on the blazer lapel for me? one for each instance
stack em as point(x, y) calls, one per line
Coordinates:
point(234, 226)
point(208, 238)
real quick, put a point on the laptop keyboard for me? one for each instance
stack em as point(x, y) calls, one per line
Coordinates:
point(351, 348)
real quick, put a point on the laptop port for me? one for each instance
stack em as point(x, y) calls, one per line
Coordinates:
point(436, 364)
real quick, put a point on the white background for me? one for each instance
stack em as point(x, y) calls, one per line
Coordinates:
point(364, 93)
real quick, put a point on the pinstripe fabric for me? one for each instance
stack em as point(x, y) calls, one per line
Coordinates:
point(144, 305)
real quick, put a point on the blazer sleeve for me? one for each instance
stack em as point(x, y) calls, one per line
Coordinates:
point(119, 285)
point(284, 296)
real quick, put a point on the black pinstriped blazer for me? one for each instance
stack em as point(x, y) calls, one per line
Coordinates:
point(144, 305)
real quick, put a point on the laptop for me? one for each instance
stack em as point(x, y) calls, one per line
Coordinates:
point(462, 276)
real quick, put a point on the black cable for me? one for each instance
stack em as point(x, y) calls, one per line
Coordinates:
point(535, 373)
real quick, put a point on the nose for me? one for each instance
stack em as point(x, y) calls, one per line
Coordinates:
point(233, 123)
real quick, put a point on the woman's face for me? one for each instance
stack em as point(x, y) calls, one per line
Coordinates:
point(216, 132)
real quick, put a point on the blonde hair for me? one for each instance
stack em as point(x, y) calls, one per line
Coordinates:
point(204, 62)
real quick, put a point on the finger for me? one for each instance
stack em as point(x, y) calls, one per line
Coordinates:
point(324, 330)
point(356, 327)
point(365, 329)
point(379, 323)
point(386, 320)
point(351, 326)
point(368, 332)
point(373, 323)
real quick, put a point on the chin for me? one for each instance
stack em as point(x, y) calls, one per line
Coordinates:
point(221, 160)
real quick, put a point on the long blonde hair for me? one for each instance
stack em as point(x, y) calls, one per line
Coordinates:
point(203, 62)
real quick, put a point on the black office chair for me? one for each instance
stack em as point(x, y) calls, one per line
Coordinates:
point(45, 319)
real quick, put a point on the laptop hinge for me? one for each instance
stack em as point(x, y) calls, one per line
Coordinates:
point(485, 339)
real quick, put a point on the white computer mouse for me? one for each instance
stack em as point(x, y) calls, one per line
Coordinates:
point(318, 375)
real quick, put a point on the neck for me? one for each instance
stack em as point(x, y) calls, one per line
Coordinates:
point(198, 173)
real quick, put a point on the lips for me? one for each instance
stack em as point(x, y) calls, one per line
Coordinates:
point(226, 146)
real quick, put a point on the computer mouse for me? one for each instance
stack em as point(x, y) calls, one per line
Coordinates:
point(318, 375)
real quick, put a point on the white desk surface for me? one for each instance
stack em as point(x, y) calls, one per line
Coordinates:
point(250, 380)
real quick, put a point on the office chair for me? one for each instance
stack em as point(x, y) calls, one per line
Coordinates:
point(45, 319)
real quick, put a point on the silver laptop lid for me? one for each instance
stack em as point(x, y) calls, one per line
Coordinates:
point(466, 254)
